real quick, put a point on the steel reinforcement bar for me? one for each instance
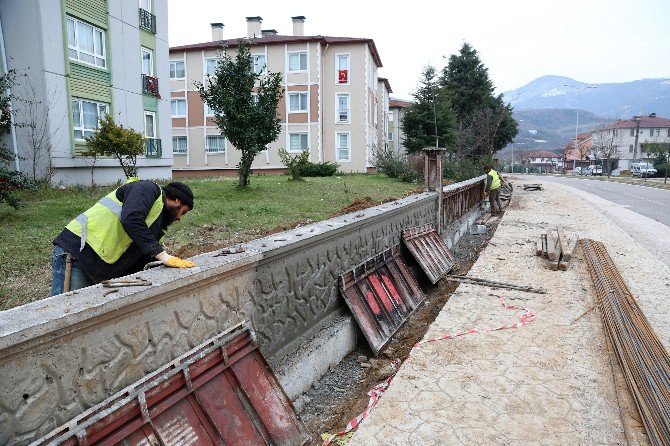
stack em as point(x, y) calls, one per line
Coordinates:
point(644, 360)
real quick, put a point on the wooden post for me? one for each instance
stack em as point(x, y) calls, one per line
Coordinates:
point(563, 242)
point(432, 174)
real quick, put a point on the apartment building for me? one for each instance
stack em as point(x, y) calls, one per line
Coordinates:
point(396, 136)
point(75, 61)
point(631, 138)
point(331, 103)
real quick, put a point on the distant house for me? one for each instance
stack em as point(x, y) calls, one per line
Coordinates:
point(396, 136)
point(578, 153)
point(632, 138)
point(544, 160)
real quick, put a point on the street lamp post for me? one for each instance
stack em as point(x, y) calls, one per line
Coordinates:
point(574, 156)
point(637, 135)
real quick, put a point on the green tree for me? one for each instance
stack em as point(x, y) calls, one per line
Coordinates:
point(429, 121)
point(485, 123)
point(116, 141)
point(245, 106)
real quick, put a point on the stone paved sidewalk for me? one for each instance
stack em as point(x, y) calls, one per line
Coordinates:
point(550, 382)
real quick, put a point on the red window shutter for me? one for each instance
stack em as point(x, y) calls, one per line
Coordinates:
point(343, 76)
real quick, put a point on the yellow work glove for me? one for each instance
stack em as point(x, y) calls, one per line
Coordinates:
point(174, 262)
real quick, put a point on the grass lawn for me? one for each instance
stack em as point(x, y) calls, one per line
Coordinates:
point(222, 215)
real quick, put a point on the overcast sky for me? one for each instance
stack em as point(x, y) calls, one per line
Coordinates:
point(592, 41)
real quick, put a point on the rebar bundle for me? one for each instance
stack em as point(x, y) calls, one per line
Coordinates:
point(644, 360)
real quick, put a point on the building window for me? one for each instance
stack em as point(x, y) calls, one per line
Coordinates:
point(297, 142)
point(258, 62)
point(630, 148)
point(390, 136)
point(297, 62)
point(86, 117)
point(658, 132)
point(146, 5)
point(179, 145)
point(343, 148)
point(632, 132)
point(177, 70)
point(86, 43)
point(210, 66)
point(342, 111)
point(215, 144)
point(149, 124)
point(208, 110)
point(342, 67)
point(147, 61)
point(391, 116)
point(178, 108)
point(297, 102)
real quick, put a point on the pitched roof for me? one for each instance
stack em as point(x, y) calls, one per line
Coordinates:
point(281, 40)
point(543, 154)
point(386, 82)
point(399, 103)
point(645, 123)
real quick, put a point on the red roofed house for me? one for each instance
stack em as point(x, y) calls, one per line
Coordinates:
point(577, 155)
point(545, 160)
point(395, 134)
point(632, 137)
point(334, 104)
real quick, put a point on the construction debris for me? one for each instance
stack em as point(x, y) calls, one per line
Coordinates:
point(532, 186)
point(494, 284)
point(557, 248)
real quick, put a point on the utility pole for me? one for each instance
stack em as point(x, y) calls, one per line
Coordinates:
point(579, 92)
point(637, 135)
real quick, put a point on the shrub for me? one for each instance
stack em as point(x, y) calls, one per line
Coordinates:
point(396, 165)
point(295, 163)
point(327, 169)
point(463, 169)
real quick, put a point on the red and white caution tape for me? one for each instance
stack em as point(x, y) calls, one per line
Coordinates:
point(524, 315)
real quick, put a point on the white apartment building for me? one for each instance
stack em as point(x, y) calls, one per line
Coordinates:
point(333, 105)
point(76, 60)
point(632, 137)
point(396, 137)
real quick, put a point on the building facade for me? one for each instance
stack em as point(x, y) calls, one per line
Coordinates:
point(76, 60)
point(630, 139)
point(396, 136)
point(330, 105)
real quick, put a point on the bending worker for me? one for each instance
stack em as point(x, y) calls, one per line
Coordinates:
point(119, 234)
point(493, 189)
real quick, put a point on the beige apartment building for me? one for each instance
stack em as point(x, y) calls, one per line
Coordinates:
point(334, 103)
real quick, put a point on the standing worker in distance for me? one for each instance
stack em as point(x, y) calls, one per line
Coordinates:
point(492, 189)
point(119, 234)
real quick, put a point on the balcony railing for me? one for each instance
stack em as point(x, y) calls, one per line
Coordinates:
point(147, 21)
point(154, 149)
point(150, 85)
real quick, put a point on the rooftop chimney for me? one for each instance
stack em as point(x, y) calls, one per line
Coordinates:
point(217, 31)
point(298, 25)
point(652, 115)
point(269, 32)
point(254, 26)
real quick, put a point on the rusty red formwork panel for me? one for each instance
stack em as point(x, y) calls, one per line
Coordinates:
point(382, 295)
point(221, 393)
point(429, 250)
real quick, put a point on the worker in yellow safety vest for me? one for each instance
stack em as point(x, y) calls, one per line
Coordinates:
point(119, 234)
point(492, 189)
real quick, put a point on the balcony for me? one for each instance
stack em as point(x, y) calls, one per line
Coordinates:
point(150, 85)
point(154, 149)
point(147, 21)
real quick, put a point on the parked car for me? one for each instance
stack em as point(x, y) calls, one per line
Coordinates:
point(577, 171)
point(594, 170)
point(642, 170)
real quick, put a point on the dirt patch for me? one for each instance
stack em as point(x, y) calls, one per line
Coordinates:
point(341, 394)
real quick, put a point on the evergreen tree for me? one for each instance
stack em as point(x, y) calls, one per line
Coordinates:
point(429, 116)
point(485, 123)
point(245, 106)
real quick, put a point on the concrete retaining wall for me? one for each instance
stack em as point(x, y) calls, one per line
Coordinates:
point(62, 355)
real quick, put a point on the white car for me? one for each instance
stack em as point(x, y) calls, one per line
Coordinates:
point(642, 170)
point(594, 170)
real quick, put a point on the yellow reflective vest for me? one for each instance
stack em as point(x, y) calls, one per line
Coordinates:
point(100, 226)
point(495, 179)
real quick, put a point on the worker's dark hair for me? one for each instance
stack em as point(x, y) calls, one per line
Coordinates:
point(487, 167)
point(179, 191)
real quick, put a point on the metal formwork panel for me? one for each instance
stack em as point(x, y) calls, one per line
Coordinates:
point(222, 392)
point(382, 295)
point(429, 250)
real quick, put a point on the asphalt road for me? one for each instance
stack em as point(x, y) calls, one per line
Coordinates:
point(650, 202)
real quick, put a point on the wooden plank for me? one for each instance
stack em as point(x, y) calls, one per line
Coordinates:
point(551, 245)
point(572, 246)
point(538, 247)
point(544, 245)
point(563, 242)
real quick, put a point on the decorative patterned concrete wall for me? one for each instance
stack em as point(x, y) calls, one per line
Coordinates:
point(62, 355)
